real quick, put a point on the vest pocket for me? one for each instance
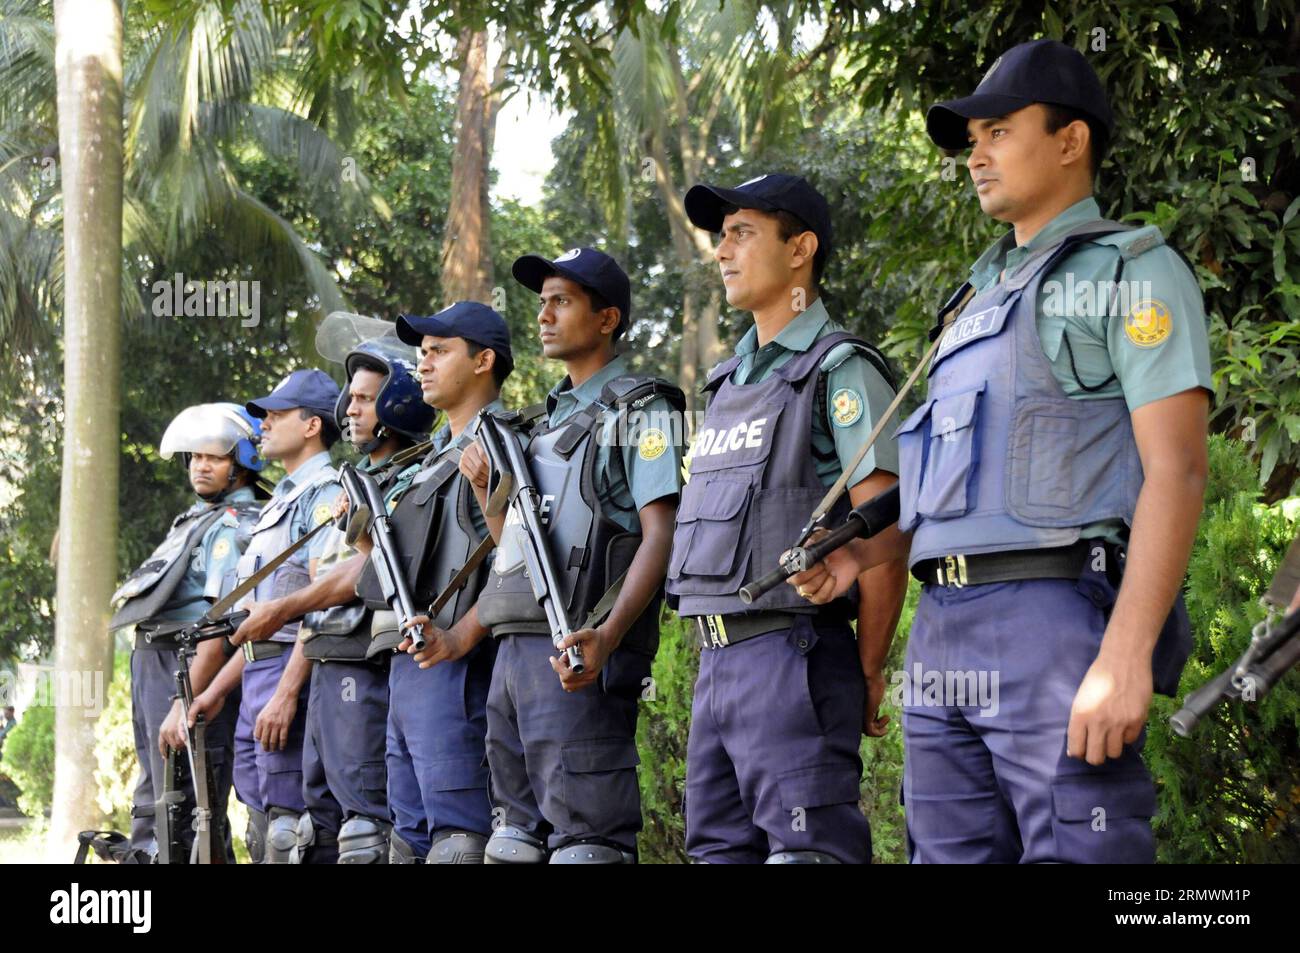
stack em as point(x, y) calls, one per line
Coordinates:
point(709, 522)
point(911, 438)
point(951, 456)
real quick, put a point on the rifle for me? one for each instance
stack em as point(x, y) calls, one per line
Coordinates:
point(372, 513)
point(863, 522)
point(209, 840)
point(501, 443)
point(1274, 648)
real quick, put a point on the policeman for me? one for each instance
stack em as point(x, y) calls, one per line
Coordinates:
point(1062, 444)
point(298, 428)
point(561, 748)
point(784, 691)
point(217, 443)
point(437, 719)
point(381, 413)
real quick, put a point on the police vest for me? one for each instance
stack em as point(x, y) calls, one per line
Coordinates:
point(271, 536)
point(591, 550)
point(147, 590)
point(342, 633)
point(998, 458)
point(753, 484)
point(434, 526)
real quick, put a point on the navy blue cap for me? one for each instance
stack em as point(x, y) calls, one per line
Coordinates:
point(706, 205)
point(315, 390)
point(1044, 71)
point(590, 268)
point(464, 319)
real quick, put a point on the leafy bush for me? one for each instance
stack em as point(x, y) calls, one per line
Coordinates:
point(115, 762)
point(29, 759)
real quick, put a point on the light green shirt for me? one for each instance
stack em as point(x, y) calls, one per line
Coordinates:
point(651, 462)
point(856, 394)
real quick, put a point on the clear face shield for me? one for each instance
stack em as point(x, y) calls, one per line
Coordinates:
point(205, 428)
point(342, 331)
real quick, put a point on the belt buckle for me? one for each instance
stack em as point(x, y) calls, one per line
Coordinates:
point(716, 630)
point(248, 652)
point(952, 571)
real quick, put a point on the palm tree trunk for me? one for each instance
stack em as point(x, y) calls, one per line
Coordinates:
point(466, 244)
point(88, 63)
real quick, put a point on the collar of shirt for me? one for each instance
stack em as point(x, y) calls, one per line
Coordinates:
point(798, 335)
point(1006, 254)
point(236, 496)
point(310, 465)
point(564, 399)
point(442, 439)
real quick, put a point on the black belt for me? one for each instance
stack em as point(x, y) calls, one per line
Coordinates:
point(141, 631)
point(719, 631)
point(1062, 562)
point(256, 651)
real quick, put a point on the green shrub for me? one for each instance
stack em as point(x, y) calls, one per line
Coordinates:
point(661, 741)
point(115, 762)
point(29, 759)
point(1231, 792)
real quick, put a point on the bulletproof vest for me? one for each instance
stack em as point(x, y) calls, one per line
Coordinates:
point(434, 526)
point(148, 589)
point(753, 484)
point(589, 548)
point(271, 536)
point(998, 458)
point(342, 633)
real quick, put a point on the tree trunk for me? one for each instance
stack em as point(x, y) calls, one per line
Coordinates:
point(466, 244)
point(88, 64)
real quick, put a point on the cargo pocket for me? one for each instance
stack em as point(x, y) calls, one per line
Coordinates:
point(599, 787)
point(951, 456)
point(374, 779)
point(709, 521)
point(819, 786)
point(911, 438)
point(458, 780)
point(1103, 819)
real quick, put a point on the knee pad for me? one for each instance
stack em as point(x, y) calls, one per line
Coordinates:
point(363, 840)
point(281, 837)
point(510, 845)
point(801, 857)
point(591, 852)
point(457, 847)
point(255, 836)
point(399, 851)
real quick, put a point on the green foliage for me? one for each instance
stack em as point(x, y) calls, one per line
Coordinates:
point(1231, 792)
point(661, 734)
point(116, 765)
point(29, 759)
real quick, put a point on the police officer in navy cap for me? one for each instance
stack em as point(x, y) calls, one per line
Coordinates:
point(382, 414)
point(1061, 449)
point(561, 746)
point(177, 583)
point(785, 691)
point(437, 775)
point(298, 429)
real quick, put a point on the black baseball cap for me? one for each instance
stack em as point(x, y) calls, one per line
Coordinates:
point(588, 267)
point(706, 205)
point(464, 319)
point(311, 389)
point(1043, 71)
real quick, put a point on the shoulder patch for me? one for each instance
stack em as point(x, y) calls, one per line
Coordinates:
point(846, 407)
point(230, 518)
point(652, 444)
point(1148, 323)
point(321, 514)
point(221, 548)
